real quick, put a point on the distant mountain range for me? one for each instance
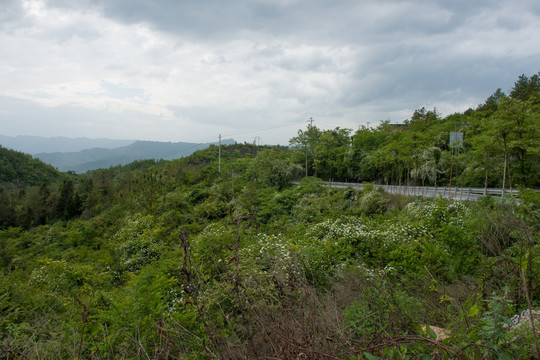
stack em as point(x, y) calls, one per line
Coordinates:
point(39, 144)
point(98, 157)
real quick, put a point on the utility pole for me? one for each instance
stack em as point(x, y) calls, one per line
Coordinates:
point(451, 166)
point(310, 121)
point(452, 146)
point(219, 161)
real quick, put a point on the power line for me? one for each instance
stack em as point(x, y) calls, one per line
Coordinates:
point(205, 141)
point(264, 129)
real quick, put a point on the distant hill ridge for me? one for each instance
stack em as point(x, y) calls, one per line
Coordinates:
point(39, 144)
point(96, 158)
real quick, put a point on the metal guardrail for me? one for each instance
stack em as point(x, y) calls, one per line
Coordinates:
point(456, 193)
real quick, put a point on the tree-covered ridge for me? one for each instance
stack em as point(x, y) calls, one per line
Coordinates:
point(23, 170)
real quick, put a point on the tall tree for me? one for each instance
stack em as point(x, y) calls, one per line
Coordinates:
point(524, 87)
point(365, 143)
point(305, 142)
point(330, 152)
point(515, 124)
point(492, 102)
point(485, 151)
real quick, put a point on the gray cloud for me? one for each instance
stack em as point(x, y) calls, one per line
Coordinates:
point(314, 20)
point(71, 120)
point(197, 66)
point(11, 14)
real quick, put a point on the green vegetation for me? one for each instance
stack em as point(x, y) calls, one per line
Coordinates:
point(23, 170)
point(500, 146)
point(176, 259)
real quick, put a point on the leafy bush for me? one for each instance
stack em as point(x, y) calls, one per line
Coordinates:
point(373, 202)
point(139, 242)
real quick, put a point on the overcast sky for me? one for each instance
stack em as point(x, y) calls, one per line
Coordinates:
point(187, 70)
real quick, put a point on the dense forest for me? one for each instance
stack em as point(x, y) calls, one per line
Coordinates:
point(196, 259)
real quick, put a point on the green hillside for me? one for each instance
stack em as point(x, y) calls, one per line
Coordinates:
point(221, 257)
point(22, 169)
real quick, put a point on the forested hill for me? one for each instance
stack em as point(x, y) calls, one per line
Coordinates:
point(23, 170)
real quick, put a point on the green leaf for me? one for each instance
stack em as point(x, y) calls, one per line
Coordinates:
point(430, 331)
point(369, 356)
point(444, 298)
point(402, 349)
point(525, 261)
point(474, 310)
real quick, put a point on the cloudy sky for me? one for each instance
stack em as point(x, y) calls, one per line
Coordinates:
point(187, 70)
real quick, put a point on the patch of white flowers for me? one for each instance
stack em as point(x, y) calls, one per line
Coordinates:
point(451, 212)
point(51, 274)
point(332, 230)
point(176, 297)
point(352, 230)
point(372, 274)
point(404, 233)
point(274, 254)
point(268, 245)
point(57, 275)
point(211, 232)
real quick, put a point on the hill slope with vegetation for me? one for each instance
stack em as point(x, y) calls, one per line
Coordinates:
point(21, 169)
point(195, 259)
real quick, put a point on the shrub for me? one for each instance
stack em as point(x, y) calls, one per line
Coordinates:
point(373, 202)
